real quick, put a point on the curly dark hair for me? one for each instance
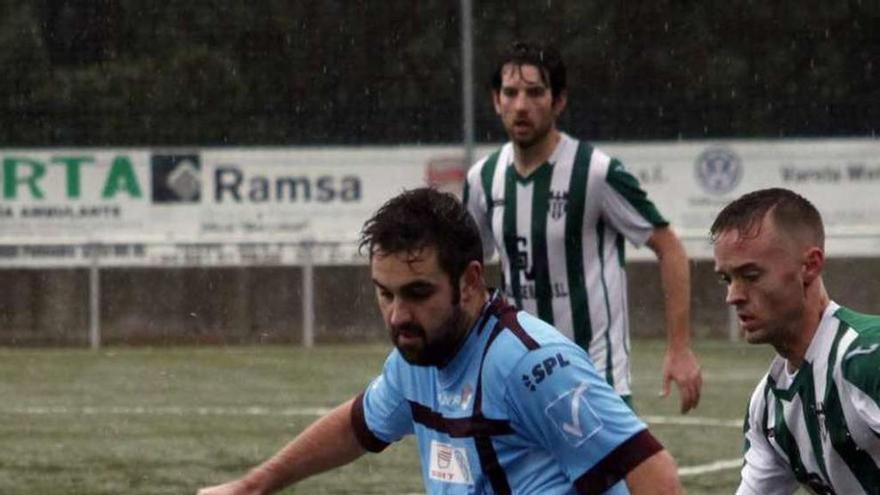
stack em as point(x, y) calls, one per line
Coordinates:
point(790, 211)
point(546, 58)
point(421, 218)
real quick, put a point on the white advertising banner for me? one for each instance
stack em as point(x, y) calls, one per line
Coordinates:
point(208, 196)
point(246, 206)
point(691, 181)
point(212, 207)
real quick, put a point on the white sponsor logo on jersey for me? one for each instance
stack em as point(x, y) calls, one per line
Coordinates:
point(861, 350)
point(449, 464)
point(454, 399)
point(573, 416)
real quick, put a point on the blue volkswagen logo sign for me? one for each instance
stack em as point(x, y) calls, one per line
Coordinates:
point(718, 170)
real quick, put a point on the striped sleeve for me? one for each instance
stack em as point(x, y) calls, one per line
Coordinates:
point(559, 401)
point(365, 437)
point(858, 366)
point(862, 381)
point(382, 415)
point(627, 206)
point(477, 199)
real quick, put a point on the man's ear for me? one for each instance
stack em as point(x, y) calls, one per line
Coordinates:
point(814, 263)
point(471, 281)
point(559, 103)
point(496, 101)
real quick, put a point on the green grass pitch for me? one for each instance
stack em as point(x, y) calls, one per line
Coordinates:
point(169, 420)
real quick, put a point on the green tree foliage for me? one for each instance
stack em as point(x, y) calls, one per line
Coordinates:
point(139, 72)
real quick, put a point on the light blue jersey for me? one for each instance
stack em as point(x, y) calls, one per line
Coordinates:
point(519, 409)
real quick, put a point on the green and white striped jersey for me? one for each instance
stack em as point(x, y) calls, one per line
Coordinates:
point(819, 427)
point(560, 236)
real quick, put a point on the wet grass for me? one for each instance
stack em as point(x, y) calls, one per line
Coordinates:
point(169, 420)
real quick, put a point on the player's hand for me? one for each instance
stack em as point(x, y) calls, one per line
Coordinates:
point(681, 366)
point(237, 487)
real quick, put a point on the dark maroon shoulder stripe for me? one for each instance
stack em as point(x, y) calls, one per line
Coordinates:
point(362, 432)
point(478, 426)
point(507, 316)
point(490, 465)
point(471, 426)
point(615, 466)
point(478, 396)
point(495, 304)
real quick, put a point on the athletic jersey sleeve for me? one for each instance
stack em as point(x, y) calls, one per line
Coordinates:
point(627, 206)
point(476, 199)
point(559, 401)
point(861, 378)
point(764, 472)
point(381, 414)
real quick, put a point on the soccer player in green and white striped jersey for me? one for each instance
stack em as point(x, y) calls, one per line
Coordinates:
point(558, 211)
point(814, 419)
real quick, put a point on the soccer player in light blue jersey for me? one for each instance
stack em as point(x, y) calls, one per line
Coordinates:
point(499, 401)
point(559, 212)
point(814, 419)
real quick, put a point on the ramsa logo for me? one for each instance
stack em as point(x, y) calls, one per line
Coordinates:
point(233, 184)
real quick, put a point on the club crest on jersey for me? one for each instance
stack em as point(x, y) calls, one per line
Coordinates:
point(558, 204)
point(820, 412)
point(543, 370)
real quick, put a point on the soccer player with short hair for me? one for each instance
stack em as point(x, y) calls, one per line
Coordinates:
point(559, 212)
point(814, 418)
point(499, 401)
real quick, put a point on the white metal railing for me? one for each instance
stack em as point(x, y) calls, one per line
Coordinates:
point(97, 256)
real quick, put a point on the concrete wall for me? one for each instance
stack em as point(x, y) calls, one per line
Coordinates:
point(263, 304)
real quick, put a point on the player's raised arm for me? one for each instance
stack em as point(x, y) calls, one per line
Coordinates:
point(327, 443)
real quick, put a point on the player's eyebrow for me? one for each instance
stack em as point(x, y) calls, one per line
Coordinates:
point(418, 289)
point(411, 287)
point(738, 269)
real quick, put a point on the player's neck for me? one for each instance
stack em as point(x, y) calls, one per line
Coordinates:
point(527, 159)
point(471, 312)
point(474, 308)
point(795, 350)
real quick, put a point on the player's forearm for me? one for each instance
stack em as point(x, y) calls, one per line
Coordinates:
point(328, 443)
point(675, 278)
point(657, 475)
